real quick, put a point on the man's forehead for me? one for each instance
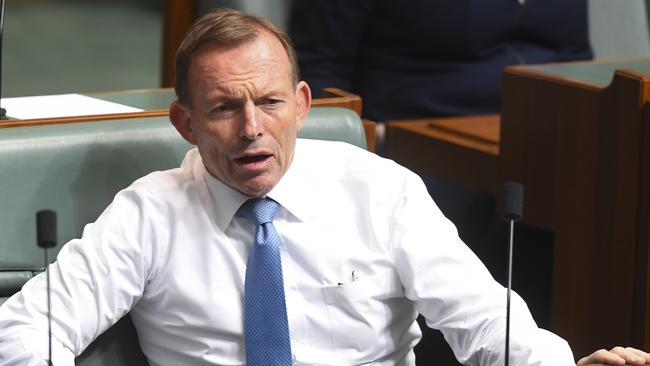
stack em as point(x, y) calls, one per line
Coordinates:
point(257, 56)
point(264, 43)
point(249, 70)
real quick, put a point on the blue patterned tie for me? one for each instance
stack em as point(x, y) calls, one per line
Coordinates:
point(265, 311)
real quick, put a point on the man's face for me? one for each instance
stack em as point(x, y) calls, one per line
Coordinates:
point(245, 112)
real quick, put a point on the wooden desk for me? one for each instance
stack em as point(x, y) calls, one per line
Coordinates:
point(456, 149)
point(155, 103)
point(577, 136)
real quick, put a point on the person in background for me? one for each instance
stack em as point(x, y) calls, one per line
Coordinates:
point(431, 58)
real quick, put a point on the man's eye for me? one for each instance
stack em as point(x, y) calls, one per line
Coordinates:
point(224, 108)
point(271, 102)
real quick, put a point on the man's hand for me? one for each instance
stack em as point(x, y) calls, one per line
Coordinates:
point(616, 356)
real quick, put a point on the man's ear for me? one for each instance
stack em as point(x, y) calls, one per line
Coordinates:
point(303, 102)
point(181, 119)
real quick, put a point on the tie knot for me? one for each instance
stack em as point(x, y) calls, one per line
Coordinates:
point(259, 210)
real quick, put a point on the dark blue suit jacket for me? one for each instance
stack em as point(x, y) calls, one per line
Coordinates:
point(428, 58)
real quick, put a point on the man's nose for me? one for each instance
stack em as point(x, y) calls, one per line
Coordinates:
point(251, 128)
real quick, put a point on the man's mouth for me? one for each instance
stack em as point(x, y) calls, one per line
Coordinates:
point(252, 159)
point(254, 163)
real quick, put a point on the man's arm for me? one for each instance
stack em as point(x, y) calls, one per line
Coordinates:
point(94, 282)
point(456, 293)
point(23, 329)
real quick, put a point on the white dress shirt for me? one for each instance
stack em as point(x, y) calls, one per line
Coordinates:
point(364, 249)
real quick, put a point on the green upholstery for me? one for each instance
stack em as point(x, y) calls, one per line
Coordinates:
point(76, 169)
point(10, 280)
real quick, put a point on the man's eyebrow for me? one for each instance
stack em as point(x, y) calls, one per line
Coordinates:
point(227, 98)
point(273, 94)
point(223, 98)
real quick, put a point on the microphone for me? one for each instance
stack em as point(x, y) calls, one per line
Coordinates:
point(513, 207)
point(46, 238)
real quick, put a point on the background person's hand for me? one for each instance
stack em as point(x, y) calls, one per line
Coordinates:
point(616, 356)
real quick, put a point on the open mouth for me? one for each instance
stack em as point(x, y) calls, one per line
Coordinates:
point(252, 159)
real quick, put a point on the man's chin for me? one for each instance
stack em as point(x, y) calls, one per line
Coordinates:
point(256, 188)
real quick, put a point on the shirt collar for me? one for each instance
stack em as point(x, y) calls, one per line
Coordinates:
point(292, 190)
point(226, 200)
point(288, 193)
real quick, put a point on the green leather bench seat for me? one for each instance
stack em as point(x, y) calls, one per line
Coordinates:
point(11, 280)
point(76, 169)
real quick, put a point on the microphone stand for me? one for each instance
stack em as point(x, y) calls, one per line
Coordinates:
point(511, 224)
point(513, 203)
point(46, 238)
point(49, 309)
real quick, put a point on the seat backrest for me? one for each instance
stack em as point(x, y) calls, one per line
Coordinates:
point(77, 168)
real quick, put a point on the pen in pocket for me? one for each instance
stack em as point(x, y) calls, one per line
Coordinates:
point(353, 278)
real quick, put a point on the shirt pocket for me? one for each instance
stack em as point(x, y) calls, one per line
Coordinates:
point(361, 313)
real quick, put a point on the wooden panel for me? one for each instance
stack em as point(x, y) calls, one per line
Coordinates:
point(178, 17)
point(89, 118)
point(577, 149)
point(369, 128)
point(548, 144)
point(642, 304)
point(538, 111)
point(617, 204)
point(463, 150)
point(339, 98)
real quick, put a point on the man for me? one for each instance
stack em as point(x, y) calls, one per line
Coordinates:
point(186, 252)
